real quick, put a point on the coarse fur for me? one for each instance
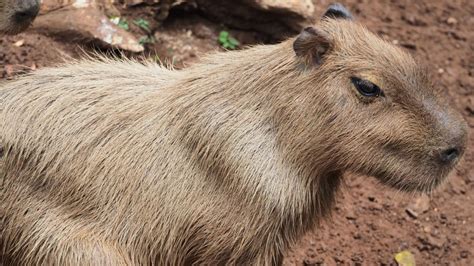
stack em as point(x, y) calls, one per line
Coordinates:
point(17, 15)
point(226, 162)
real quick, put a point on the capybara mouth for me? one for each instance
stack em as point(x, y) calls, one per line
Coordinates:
point(406, 182)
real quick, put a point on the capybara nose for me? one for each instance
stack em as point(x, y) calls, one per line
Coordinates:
point(450, 155)
point(28, 13)
point(454, 132)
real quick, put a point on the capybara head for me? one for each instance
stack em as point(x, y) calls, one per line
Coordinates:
point(383, 116)
point(17, 15)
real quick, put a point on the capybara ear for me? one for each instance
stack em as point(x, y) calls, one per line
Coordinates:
point(337, 11)
point(311, 45)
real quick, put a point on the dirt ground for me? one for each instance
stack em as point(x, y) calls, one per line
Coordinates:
point(370, 223)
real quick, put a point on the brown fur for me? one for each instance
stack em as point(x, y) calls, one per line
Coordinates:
point(226, 162)
point(11, 20)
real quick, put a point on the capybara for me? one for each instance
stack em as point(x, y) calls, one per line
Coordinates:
point(17, 15)
point(226, 162)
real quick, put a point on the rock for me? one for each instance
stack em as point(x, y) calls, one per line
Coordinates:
point(305, 8)
point(456, 35)
point(412, 213)
point(87, 19)
point(357, 236)
point(351, 215)
point(106, 6)
point(83, 20)
point(322, 248)
point(414, 21)
point(19, 43)
point(419, 206)
point(277, 18)
point(357, 258)
point(464, 254)
point(9, 70)
point(433, 242)
point(452, 21)
point(154, 2)
point(410, 46)
point(470, 112)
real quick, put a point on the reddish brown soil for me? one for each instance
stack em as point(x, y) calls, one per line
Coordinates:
point(370, 223)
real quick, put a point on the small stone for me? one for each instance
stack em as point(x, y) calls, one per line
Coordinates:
point(464, 254)
point(440, 71)
point(86, 22)
point(322, 248)
point(307, 262)
point(9, 70)
point(419, 206)
point(433, 242)
point(410, 46)
point(396, 42)
point(452, 21)
point(350, 215)
point(412, 213)
point(19, 43)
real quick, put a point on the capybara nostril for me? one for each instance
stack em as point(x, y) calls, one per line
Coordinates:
point(448, 156)
point(27, 14)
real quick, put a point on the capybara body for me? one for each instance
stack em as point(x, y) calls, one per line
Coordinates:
point(226, 162)
point(17, 15)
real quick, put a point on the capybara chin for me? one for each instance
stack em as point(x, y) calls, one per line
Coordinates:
point(226, 162)
point(17, 15)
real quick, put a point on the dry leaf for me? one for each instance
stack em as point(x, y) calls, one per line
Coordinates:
point(405, 258)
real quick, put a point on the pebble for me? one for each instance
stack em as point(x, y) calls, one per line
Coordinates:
point(464, 254)
point(452, 21)
point(419, 206)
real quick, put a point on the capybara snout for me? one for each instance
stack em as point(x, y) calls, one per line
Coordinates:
point(17, 15)
point(450, 135)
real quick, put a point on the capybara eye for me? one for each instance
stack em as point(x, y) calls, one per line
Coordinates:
point(366, 88)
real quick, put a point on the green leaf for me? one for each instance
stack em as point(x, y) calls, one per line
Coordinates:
point(145, 40)
point(227, 41)
point(115, 19)
point(233, 41)
point(223, 40)
point(224, 35)
point(123, 24)
point(143, 24)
